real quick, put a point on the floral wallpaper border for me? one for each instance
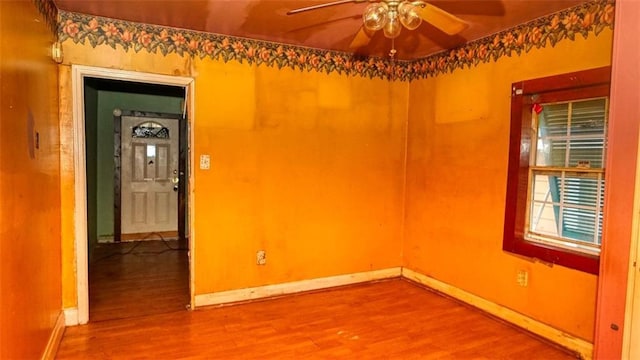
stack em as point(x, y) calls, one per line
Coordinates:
point(584, 19)
point(130, 36)
point(590, 17)
point(50, 13)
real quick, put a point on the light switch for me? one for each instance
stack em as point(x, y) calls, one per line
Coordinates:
point(205, 162)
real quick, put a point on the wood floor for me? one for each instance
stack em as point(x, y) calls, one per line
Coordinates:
point(392, 319)
point(131, 279)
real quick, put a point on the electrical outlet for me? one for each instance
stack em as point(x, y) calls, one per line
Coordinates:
point(523, 278)
point(261, 257)
point(205, 162)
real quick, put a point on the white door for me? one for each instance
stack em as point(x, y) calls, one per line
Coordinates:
point(149, 174)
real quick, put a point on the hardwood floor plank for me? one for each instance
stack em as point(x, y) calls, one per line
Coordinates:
point(132, 279)
point(392, 319)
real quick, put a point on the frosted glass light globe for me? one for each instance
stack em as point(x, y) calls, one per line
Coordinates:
point(409, 16)
point(375, 16)
point(392, 27)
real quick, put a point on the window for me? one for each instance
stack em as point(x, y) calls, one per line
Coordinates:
point(556, 176)
point(150, 129)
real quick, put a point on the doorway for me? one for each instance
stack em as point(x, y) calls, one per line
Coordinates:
point(133, 158)
point(119, 273)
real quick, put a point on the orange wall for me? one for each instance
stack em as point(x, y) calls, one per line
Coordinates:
point(30, 184)
point(304, 165)
point(456, 185)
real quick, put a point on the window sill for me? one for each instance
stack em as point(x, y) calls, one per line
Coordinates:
point(555, 255)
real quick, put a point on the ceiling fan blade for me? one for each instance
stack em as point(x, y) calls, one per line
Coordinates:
point(361, 39)
point(439, 18)
point(320, 6)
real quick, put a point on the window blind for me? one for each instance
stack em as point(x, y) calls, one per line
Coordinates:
point(572, 135)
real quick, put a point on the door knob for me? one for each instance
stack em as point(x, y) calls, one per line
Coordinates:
point(175, 188)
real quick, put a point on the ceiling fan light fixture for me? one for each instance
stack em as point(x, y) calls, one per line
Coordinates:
point(375, 16)
point(408, 15)
point(393, 27)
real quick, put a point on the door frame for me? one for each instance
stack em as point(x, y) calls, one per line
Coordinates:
point(182, 166)
point(78, 75)
point(630, 340)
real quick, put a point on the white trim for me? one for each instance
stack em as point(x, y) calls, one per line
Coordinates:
point(260, 292)
point(105, 239)
point(55, 338)
point(78, 73)
point(582, 347)
point(71, 316)
point(80, 207)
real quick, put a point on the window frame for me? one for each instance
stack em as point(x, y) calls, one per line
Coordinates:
point(579, 85)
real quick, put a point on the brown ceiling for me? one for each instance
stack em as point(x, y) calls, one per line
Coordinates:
point(330, 28)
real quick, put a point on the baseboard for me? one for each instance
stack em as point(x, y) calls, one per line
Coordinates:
point(582, 347)
point(105, 239)
point(55, 338)
point(71, 316)
point(266, 291)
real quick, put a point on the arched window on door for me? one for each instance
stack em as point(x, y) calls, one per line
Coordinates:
point(150, 129)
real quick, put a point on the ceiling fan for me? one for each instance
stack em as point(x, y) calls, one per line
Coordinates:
point(391, 15)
